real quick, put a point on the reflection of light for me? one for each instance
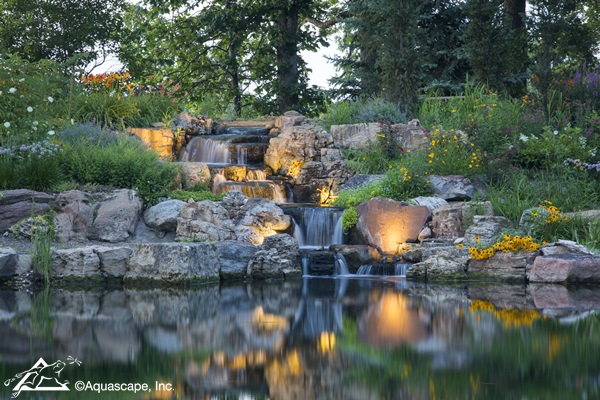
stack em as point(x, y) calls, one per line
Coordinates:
point(268, 322)
point(326, 342)
point(390, 322)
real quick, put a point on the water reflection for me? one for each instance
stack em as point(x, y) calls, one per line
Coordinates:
point(313, 339)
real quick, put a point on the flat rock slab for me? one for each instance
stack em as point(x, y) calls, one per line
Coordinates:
point(503, 266)
point(385, 223)
point(566, 268)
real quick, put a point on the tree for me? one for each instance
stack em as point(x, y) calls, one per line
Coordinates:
point(59, 29)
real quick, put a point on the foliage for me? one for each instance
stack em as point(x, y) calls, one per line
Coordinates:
point(105, 158)
point(197, 193)
point(373, 109)
point(399, 184)
point(349, 219)
point(450, 152)
point(32, 166)
point(353, 197)
point(59, 29)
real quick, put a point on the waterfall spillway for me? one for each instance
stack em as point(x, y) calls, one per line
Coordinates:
point(398, 269)
point(340, 266)
point(206, 150)
point(319, 227)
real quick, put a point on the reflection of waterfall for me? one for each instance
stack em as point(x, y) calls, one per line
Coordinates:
point(319, 227)
point(341, 267)
point(383, 269)
point(205, 150)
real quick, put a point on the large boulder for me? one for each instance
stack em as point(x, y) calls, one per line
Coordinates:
point(355, 136)
point(117, 216)
point(357, 255)
point(204, 221)
point(163, 216)
point(486, 229)
point(318, 181)
point(9, 260)
point(90, 262)
point(452, 187)
point(74, 217)
point(438, 268)
point(385, 223)
point(565, 268)
point(174, 262)
point(234, 257)
point(432, 203)
point(278, 257)
point(259, 218)
point(16, 205)
point(194, 173)
point(453, 219)
point(233, 201)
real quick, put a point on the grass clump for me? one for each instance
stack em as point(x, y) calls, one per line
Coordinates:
point(362, 111)
point(196, 193)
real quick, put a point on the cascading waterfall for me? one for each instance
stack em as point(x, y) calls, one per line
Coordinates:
point(398, 269)
point(340, 266)
point(319, 227)
point(256, 175)
point(241, 155)
point(205, 150)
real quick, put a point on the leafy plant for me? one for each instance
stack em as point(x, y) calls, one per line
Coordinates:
point(349, 219)
point(362, 111)
point(196, 195)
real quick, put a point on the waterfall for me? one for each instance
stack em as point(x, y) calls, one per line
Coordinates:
point(256, 175)
point(383, 269)
point(201, 149)
point(319, 227)
point(242, 155)
point(304, 265)
point(341, 267)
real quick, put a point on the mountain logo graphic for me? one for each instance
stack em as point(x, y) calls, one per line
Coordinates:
point(41, 377)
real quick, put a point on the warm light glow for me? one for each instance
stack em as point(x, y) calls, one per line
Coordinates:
point(268, 322)
point(390, 322)
point(326, 196)
point(326, 342)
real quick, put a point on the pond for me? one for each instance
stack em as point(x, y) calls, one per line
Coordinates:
point(313, 338)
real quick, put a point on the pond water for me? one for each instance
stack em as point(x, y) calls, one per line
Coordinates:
point(314, 338)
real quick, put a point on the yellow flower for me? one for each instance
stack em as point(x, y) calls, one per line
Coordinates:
point(453, 110)
point(477, 239)
point(390, 167)
point(431, 155)
point(460, 246)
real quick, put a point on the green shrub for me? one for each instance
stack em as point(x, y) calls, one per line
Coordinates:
point(354, 112)
point(153, 108)
point(399, 184)
point(353, 197)
point(34, 166)
point(195, 194)
point(106, 110)
point(349, 219)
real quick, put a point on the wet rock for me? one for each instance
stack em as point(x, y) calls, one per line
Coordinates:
point(277, 257)
point(485, 229)
point(117, 216)
point(452, 187)
point(174, 262)
point(503, 266)
point(163, 216)
point(9, 260)
point(566, 268)
point(318, 262)
point(74, 217)
point(438, 268)
point(259, 218)
point(234, 257)
point(357, 255)
point(19, 204)
point(453, 219)
point(204, 221)
point(385, 223)
point(194, 173)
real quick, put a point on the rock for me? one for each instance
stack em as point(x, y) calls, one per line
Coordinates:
point(113, 260)
point(9, 260)
point(174, 262)
point(74, 217)
point(503, 266)
point(359, 180)
point(194, 173)
point(204, 221)
point(355, 136)
point(437, 268)
point(162, 140)
point(385, 223)
point(453, 219)
point(117, 216)
point(234, 257)
point(192, 125)
point(259, 218)
point(317, 262)
point(295, 146)
point(546, 295)
point(432, 203)
point(233, 201)
point(289, 119)
point(29, 227)
point(420, 254)
point(278, 257)
point(411, 136)
point(318, 182)
point(426, 233)
point(163, 216)
point(486, 228)
point(19, 204)
point(452, 187)
point(82, 262)
point(236, 173)
point(566, 268)
point(583, 214)
point(357, 255)
point(564, 247)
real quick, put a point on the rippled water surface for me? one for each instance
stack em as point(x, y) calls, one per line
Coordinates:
point(307, 339)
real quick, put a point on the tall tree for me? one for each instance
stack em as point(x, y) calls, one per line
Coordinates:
point(59, 29)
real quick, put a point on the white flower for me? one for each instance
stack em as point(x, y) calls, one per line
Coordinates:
point(523, 138)
point(50, 99)
point(555, 133)
point(22, 80)
point(29, 109)
point(12, 90)
point(51, 133)
point(35, 123)
point(0, 92)
point(7, 124)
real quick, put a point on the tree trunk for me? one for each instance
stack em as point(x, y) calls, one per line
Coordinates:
point(515, 12)
point(287, 59)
